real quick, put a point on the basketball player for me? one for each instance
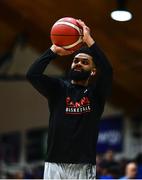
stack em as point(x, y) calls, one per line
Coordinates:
point(75, 109)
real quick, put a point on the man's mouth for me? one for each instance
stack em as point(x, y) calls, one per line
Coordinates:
point(78, 69)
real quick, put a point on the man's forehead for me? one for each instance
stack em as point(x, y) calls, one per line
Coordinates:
point(83, 55)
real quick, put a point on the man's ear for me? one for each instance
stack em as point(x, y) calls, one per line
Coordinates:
point(93, 72)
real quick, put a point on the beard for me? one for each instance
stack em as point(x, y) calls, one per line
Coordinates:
point(79, 75)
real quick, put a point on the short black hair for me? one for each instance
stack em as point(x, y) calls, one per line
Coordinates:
point(85, 50)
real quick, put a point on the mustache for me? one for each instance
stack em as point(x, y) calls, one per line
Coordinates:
point(78, 68)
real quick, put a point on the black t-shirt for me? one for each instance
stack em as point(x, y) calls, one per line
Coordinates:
point(75, 110)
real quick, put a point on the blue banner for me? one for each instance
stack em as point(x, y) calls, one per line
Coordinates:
point(110, 134)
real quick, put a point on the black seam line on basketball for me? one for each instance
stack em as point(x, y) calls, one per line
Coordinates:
point(64, 35)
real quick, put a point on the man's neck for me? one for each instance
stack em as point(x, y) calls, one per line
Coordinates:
point(82, 82)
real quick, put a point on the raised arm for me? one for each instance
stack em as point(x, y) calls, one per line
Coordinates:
point(46, 85)
point(104, 81)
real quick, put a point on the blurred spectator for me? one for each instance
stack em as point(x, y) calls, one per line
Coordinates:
point(130, 171)
point(109, 159)
point(106, 173)
point(111, 172)
point(18, 175)
point(107, 167)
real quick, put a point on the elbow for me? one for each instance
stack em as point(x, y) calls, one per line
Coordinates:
point(31, 76)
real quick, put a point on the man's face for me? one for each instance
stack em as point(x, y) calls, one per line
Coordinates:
point(131, 170)
point(82, 67)
point(109, 155)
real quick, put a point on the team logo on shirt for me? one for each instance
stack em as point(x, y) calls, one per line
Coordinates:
point(83, 106)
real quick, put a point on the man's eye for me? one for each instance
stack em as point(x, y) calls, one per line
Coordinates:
point(85, 62)
point(76, 61)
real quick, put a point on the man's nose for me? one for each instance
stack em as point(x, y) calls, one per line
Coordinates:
point(79, 63)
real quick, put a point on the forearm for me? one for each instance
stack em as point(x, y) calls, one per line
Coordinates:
point(38, 67)
point(104, 80)
point(100, 59)
point(44, 84)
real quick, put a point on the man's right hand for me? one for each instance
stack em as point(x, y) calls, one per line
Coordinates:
point(60, 51)
point(86, 34)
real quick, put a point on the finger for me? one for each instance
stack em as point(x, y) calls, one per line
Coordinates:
point(68, 52)
point(87, 28)
point(82, 22)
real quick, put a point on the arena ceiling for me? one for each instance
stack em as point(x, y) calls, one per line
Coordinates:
point(121, 41)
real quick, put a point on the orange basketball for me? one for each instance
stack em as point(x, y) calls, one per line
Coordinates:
point(67, 33)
